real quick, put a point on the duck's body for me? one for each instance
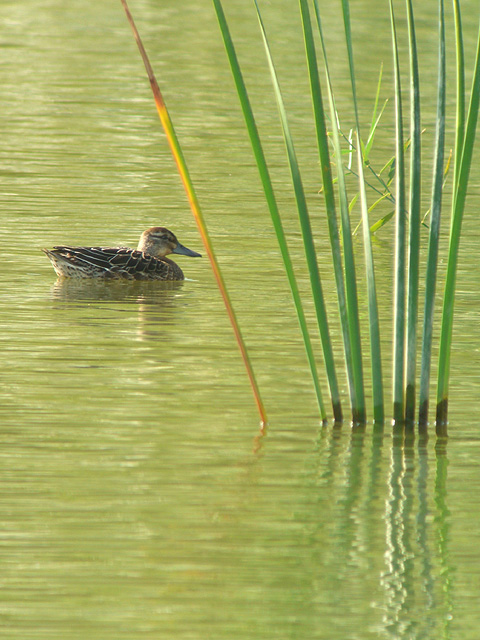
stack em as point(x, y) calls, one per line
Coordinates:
point(111, 262)
point(147, 262)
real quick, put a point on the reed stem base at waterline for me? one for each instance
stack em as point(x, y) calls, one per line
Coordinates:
point(442, 417)
point(423, 413)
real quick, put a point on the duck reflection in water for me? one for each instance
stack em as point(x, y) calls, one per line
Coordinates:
point(104, 290)
point(149, 305)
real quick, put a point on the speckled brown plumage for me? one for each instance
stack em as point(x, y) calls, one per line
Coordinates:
point(147, 262)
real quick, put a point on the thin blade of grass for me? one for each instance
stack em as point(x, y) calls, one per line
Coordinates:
point(434, 233)
point(386, 186)
point(379, 224)
point(357, 393)
point(305, 225)
point(271, 200)
point(375, 118)
point(372, 207)
point(463, 154)
point(374, 325)
point(415, 222)
point(399, 259)
point(195, 206)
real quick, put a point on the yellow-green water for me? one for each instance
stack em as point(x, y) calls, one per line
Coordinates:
point(136, 500)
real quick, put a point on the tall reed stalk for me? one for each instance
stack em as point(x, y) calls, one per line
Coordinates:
point(329, 195)
point(374, 324)
point(273, 208)
point(400, 232)
point(434, 234)
point(305, 225)
point(414, 223)
point(350, 326)
point(463, 156)
point(197, 213)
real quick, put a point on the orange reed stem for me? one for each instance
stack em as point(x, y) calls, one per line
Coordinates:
point(195, 206)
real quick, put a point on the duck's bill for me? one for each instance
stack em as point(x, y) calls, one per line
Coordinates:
point(186, 252)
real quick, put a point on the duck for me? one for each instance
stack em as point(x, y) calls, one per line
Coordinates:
point(147, 262)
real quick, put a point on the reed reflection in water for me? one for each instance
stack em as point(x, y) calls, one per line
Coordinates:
point(388, 541)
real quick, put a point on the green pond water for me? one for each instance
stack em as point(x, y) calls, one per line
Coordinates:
point(137, 496)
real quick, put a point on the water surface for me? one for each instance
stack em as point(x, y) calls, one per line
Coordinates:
point(138, 499)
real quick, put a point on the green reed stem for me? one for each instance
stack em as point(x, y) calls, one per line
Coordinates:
point(415, 221)
point(305, 225)
point(376, 359)
point(460, 97)
point(328, 191)
point(399, 258)
point(271, 201)
point(463, 155)
point(433, 239)
point(354, 352)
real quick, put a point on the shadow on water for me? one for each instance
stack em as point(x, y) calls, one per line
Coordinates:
point(390, 529)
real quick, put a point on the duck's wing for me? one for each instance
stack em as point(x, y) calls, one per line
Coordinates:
point(114, 262)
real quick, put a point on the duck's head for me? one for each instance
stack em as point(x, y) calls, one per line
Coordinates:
point(159, 242)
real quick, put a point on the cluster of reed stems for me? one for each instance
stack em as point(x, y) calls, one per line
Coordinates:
point(410, 341)
point(407, 309)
